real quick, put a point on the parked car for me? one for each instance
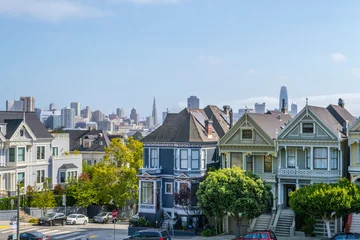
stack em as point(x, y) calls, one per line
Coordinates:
point(77, 219)
point(151, 234)
point(31, 236)
point(103, 217)
point(52, 219)
point(341, 236)
point(266, 235)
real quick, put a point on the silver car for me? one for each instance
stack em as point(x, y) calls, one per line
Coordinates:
point(103, 217)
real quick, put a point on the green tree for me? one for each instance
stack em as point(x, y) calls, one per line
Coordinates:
point(326, 201)
point(82, 190)
point(232, 191)
point(45, 198)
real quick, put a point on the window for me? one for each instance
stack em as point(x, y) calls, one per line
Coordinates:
point(40, 176)
point(249, 162)
point(21, 154)
point(21, 177)
point(11, 154)
point(267, 164)
point(147, 192)
point(320, 158)
point(21, 133)
point(195, 159)
point(62, 177)
point(168, 188)
point(55, 151)
point(40, 153)
point(203, 159)
point(291, 157)
point(183, 185)
point(308, 128)
point(308, 158)
point(334, 159)
point(246, 134)
point(183, 158)
point(176, 158)
point(154, 157)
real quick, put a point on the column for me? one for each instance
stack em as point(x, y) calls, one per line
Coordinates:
point(273, 190)
point(297, 184)
point(154, 190)
point(1, 185)
point(189, 159)
point(279, 192)
point(329, 158)
point(340, 164)
point(14, 181)
point(311, 158)
point(139, 194)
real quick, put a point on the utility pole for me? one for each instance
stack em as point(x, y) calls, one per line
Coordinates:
point(18, 212)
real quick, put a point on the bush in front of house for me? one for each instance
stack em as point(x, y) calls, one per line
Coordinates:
point(34, 220)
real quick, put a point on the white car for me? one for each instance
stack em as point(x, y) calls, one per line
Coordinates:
point(77, 219)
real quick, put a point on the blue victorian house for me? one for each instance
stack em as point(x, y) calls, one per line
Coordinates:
point(176, 155)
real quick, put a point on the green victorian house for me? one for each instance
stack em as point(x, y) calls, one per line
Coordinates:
point(250, 145)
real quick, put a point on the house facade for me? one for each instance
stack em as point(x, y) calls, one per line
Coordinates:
point(354, 145)
point(178, 154)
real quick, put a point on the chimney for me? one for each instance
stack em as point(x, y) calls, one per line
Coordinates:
point(231, 117)
point(341, 103)
point(208, 128)
point(283, 106)
point(227, 110)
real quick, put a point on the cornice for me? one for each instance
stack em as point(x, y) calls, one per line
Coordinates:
point(185, 145)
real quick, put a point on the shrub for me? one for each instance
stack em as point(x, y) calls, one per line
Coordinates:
point(76, 151)
point(59, 190)
point(142, 222)
point(207, 233)
point(34, 220)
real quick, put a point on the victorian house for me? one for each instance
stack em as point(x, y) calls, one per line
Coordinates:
point(250, 145)
point(178, 154)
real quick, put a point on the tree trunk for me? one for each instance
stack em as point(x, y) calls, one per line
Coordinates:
point(238, 226)
point(327, 222)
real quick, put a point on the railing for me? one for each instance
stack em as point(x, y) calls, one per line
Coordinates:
point(60, 135)
point(145, 206)
point(308, 172)
point(151, 170)
point(267, 176)
point(66, 157)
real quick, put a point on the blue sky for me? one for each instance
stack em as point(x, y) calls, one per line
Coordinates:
point(121, 53)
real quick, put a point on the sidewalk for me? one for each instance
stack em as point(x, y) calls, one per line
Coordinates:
point(6, 224)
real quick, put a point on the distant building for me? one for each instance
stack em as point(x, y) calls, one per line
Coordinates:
point(259, 107)
point(193, 102)
point(294, 109)
point(242, 111)
point(134, 116)
point(87, 125)
point(43, 115)
point(98, 116)
point(113, 116)
point(68, 117)
point(283, 96)
point(106, 125)
point(14, 106)
point(86, 113)
point(53, 122)
point(120, 112)
point(154, 115)
point(76, 107)
point(149, 122)
point(29, 103)
point(52, 107)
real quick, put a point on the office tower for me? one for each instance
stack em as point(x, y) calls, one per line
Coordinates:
point(154, 114)
point(113, 116)
point(259, 107)
point(283, 96)
point(106, 125)
point(68, 117)
point(164, 114)
point(53, 122)
point(52, 107)
point(76, 107)
point(13, 106)
point(294, 109)
point(29, 103)
point(43, 115)
point(98, 116)
point(133, 115)
point(120, 112)
point(86, 113)
point(149, 122)
point(193, 102)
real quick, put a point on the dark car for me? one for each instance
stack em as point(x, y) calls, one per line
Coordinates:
point(151, 234)
point(266, 234)
point(31, 236)
point(340, 236)
point(52, 219)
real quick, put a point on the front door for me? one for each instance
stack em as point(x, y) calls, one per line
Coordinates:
point(289, 189)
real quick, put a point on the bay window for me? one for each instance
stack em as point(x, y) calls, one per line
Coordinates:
point(334, 159)
point(183, 158)
point(308, 158)
point(11, 154)
point(62, 177)
point(267, 164)
point(21, 154)
point(203, 159)
point(154, 157)
point(176, 158)
point(320, 158)
point(249, 163)
point(147, 192)
point(291, 155)
point(195, 159)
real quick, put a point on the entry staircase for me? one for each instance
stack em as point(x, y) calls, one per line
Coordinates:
point(355, 223)
point(24, 217)
point(262, 222)
point(168, 222)
point(320, 228)
point(284, 223)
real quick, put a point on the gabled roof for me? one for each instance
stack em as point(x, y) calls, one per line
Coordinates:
point(68, 166)
point(270, 122)
point(341, 114)
point(189, 126)
point(15, 118)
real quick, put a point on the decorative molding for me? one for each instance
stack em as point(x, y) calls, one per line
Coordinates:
point(180, 145)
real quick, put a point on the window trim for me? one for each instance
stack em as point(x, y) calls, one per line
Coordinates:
point(314, 159)
point(271, 162)
point(313, 128)
point(308, 158)
point(17, 155)
point(203, 158)
point(142, 192)
point(176, 158)
point(154, 162)
point(60, 172)
point(40, 178)
point(21, 133)
point(14, 154)
point(184, 160)
point(41, 153)
point(193, 160)
point(171, 188)
point(247, 129)
point(337, 158)
point(287, 157)
point(52, 151)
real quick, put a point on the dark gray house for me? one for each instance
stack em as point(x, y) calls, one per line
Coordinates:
point(178, 154)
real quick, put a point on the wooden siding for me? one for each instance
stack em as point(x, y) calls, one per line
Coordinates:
point(257, 139)
point(354, 155)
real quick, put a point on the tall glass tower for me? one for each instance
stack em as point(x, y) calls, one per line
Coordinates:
point(283, 95)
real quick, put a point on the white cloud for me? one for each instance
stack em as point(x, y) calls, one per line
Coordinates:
point(210, 60)
point(356, 72)
point(53, 10)
point(337, 57)
point(252, 71)
point(351, 102)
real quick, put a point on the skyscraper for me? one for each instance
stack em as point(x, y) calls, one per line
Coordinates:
point(154, 114)
point(76, 107)
point(68, 117)
point(98, 116)
point(29, 103)
point(149, 122)
point(13, 105)
point(294, 109)
point(52, 107)
point(193, 102)
point(283, 95)
point(259, 107)
point(120, 112)
point(133, 115)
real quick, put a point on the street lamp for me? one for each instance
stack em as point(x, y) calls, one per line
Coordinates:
point(18, 209)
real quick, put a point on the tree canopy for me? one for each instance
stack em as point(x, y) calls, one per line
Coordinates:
point(45, 198)
point(326, 201)
point(233, 191)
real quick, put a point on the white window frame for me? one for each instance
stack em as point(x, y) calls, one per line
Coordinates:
point(171, 188)
point(203, 158)
point(176, 158)
point(287, 157)
point(41, 147)
point(334, 160)
point(308, 158)
point(325, 159)
point(194, 160)
point(17, 175)
point(15, 157)
point(22, 133)
point(17, 154)
point(60, 176)
point(39, 175)
point(184, 160)
point(154, 161)
point(252, 134)
point(57, 151)
point(142, 192)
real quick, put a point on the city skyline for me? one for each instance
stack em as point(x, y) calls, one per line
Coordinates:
point(44, 43)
